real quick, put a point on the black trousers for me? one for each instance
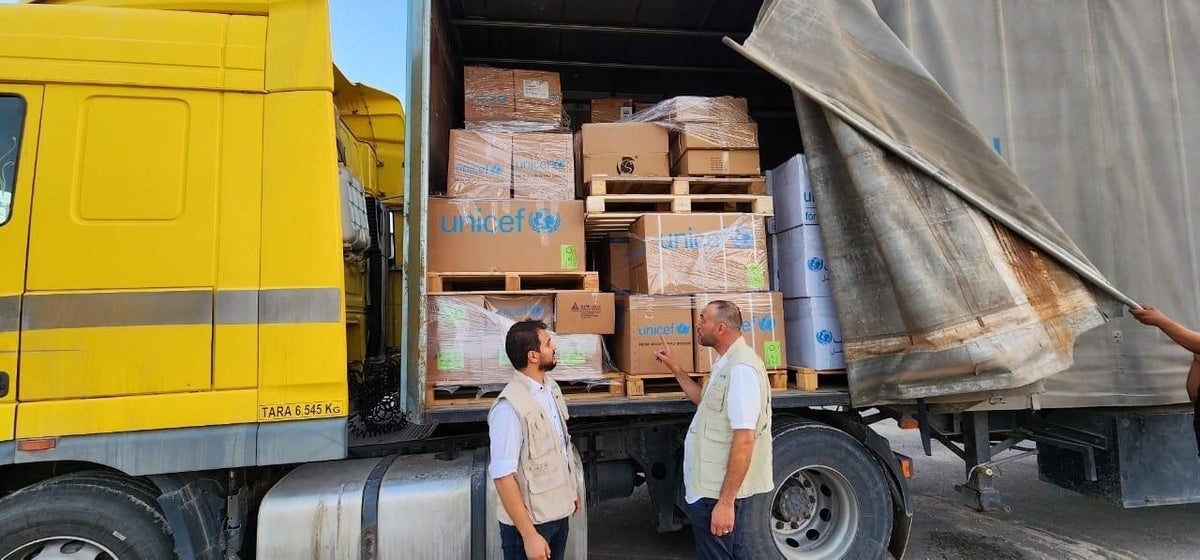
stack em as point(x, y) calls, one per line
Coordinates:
point(710, 546)
point(555, 533)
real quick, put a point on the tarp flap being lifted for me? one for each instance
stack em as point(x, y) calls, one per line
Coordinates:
point(950, 277)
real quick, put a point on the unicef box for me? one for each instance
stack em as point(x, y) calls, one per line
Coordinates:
point(643, 323)
point(696, 253)
point(814, 333)
point(802, 269)
point(505, 236)
point(762, 327)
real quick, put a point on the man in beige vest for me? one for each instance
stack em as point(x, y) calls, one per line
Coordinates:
point(532, 458)
point(727, 451)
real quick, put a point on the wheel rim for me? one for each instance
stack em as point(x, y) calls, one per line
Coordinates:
point(814, 514)
point(61, 548)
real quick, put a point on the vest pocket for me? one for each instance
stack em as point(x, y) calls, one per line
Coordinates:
point(544, 476)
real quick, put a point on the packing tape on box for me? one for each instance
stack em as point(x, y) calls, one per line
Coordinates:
point(707, 118)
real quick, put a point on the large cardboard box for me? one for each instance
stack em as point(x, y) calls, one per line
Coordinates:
point(814, 334)
point(580, 356)
point(643, 322)
point(505, 236)
point(610, 109)
point(762, 327)
point(803, 271)
point(488, 94)
point(538, 97)
point(794, 202)
point(617, 271)
point(522, 307)
point(721, 136)
point(543, 166)
point(717, 162)
point(634, 149)
point(694, 253)
point(584, 312)
point(480, 165)
point(689, 109)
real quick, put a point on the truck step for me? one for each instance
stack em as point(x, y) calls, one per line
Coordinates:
point(601, 185)
point(808, 379)
point(454, 282)
point(616, 212)
point(611, 385)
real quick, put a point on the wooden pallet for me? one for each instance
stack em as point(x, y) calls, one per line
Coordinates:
point(436, 396)
point(601, 185)
point(808, 379)
point(454, 282)
point(656, 385)
point(616, 212)
point(777, 378)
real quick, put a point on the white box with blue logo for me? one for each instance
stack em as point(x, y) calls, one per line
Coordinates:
point(802, 270)
point(814, 333)
point(792, 190)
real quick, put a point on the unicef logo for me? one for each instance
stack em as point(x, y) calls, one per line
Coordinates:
point(741, 238)
point(824, 337)
point(683, 328)
point(816, 264)
point(535, 311)
point(495, 170)
point(766, 324)
point(558, 164)
point(545, 221)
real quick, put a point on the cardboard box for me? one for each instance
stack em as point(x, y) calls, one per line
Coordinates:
point(814, 334)
point(792, 190)
point(584, 313)
point(617, 271)
point(643, 322)
point(543, 166)
point(717, 162)
point(480, 165)
point(803, 271)
point(689, 109)
point(638, 106)
point(722, 136)
point(695, 253)
point(466, 346)
point(635, 149)
point(488, 94)
point(538, 97)
point(505, 236)
point(610, 109)
point(762, 327)
point(515, 308)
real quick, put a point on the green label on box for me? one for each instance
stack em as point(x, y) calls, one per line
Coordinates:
point(572, 358)
point(756, 276)
point(504, 361)
point(451, 359)
point(773, 354)
point(452, 315)
point(570, 257)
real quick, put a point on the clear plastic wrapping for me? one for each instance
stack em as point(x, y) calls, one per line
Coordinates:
point(693, 109)
point(694, 253)
point(503, 100)
point(480, 165)
point(519, 236)
point(543, 166)
point(466, 345)
point(709, 135)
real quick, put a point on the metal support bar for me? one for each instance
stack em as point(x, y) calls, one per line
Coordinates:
point(923, 424)
point(1006, 445)
point(589, 28)
point(978, 491)
point(609, 65)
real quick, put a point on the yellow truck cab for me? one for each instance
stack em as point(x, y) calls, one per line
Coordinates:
point(195, 209)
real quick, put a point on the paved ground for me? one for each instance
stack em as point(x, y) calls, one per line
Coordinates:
point(1044, 521)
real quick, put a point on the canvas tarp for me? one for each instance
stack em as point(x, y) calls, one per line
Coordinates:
point(950, 275)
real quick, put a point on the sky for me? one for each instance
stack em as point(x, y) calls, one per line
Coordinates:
point(369, 42)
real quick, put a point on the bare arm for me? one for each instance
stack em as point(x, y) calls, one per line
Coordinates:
point(739, 463)
point(1193, 378)
point(689, 385)
point(1183, 336)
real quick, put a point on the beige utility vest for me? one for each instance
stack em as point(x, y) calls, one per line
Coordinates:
point(712, 436)
point(548, 483)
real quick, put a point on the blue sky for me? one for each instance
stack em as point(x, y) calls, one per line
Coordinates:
point(368, 42)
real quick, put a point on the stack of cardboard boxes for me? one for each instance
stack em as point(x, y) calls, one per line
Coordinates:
point(815, 335)
point(509, 213)
point(669, 266)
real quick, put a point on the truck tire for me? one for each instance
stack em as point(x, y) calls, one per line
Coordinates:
point(831, 499)
point(95, 515)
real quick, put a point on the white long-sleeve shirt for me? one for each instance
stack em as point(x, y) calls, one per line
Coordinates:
point(504, 429)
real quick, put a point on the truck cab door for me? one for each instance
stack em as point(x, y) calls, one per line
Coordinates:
point(20, 109)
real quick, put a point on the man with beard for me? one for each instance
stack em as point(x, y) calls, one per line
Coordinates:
point(530, 448)
point(727, 451)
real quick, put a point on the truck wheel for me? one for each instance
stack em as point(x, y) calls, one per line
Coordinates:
point(830, 500)
point(89, 515)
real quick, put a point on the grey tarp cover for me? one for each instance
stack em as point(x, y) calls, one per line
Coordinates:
point(949, 274)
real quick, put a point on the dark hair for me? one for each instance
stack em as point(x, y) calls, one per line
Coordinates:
point(728, 313)
point(522, 339)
